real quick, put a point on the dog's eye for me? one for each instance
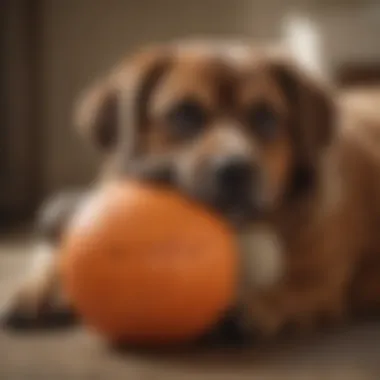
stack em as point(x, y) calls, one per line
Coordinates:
point(187, 118)
point(263, 120)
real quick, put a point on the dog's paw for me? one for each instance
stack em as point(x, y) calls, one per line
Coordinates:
point(28, 312)
point(24, 320)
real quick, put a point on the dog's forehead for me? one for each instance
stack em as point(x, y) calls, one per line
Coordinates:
point(195, 70)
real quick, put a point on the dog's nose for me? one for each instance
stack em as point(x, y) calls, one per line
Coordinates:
point(233, 175)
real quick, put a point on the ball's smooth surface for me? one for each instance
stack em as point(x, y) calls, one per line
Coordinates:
point(144, 265)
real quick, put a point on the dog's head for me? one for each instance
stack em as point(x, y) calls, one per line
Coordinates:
point(238, 128)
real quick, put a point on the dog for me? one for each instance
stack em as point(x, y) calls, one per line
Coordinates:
point(291, 164)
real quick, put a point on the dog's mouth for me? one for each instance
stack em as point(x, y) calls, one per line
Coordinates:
point(240, 212)
point(239, 204)
point(238, 207)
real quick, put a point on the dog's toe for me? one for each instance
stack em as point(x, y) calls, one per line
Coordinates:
point(24, 320)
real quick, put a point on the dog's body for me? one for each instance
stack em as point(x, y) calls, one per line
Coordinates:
point(293, 166)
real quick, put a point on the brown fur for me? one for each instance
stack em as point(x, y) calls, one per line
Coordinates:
point(322, 171)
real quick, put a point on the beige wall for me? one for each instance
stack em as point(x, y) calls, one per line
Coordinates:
point(83, 38)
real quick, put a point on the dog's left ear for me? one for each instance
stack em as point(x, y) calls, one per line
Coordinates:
point(312, 116)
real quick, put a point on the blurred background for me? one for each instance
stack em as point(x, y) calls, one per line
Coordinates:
point(51, 49)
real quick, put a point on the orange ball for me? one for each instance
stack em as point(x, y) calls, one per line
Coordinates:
point(145, 265)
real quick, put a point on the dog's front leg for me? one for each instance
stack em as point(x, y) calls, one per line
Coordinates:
point(37, 301)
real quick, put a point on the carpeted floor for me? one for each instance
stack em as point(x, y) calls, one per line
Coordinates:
point(353, 353)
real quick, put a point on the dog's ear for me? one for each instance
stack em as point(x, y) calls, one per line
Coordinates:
point(116, 105)
point(312, 117)
point(96, 114)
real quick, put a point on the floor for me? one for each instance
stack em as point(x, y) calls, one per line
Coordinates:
point(353, 353)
